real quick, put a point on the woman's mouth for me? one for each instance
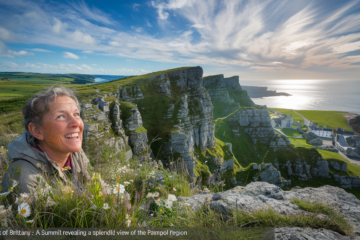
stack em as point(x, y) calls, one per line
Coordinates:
point(72, 136)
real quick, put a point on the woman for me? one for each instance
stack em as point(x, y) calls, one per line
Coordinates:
point(51, 144)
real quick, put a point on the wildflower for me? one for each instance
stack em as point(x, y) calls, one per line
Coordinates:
point(131, 180)
point(119, 189)
point(160, 211)
point(24, 209)
point(169, 202)
point(126, 183)
point(140, 165)
point(174, 189)
point(106, 206)
point(30, 221)
point(23, 198)
point(14, 184)
point(94, 206)
point(205, 161)
point(128, 223)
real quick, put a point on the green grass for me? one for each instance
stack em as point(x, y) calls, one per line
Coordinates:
point(339, 222)
point(290, 132)
point(300, 142)
point(296, 117)
point(354, 169)
point(333, 119)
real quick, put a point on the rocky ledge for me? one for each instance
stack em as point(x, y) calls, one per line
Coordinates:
point(262, 195)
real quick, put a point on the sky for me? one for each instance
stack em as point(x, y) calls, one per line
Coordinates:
point(256, 40)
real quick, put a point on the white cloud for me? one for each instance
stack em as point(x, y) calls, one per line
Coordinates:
point(5, 52)
point(70, 55)
point(348, 47)
point(5, 34)
point(58, 27)
point(67, 68)
point(81, 37)
point(88, 51)
point(137, 29)
point(198, 26)
point(295, 46)
point(93, 14)
point(40, 50)
point(171, 5)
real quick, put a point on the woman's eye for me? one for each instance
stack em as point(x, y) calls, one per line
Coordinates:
point(61, 116)
point(77, 114)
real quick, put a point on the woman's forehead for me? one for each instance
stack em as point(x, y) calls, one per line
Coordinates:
point(63, 103)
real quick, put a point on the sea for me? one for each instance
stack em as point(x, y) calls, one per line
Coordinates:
point(331, 95)
point(107, 78)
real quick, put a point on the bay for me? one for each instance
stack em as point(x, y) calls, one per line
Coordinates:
point(334, 95)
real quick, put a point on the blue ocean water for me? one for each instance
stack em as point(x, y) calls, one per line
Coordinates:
point(106, 78)
point(337, 95)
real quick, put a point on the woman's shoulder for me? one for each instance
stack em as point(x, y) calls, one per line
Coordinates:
point(24, 172)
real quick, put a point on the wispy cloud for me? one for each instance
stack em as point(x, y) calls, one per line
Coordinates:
point(259, 35)
point(80, 68)
point(70, 55)
point(5, 52)
point(40, 50)
point(92, 14)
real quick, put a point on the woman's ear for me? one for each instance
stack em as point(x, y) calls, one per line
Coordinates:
point(35, 131)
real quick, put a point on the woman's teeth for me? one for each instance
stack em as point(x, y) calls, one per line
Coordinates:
point(70, 136)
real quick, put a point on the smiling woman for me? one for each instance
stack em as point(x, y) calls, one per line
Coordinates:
point(51, 144)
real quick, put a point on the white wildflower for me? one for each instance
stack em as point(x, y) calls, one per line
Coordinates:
point(126, 183)
point(106, 206)
point(119, 189)
point(24, 197)
point(140, 165)
point(174, 189)
point(169, 202)
point(24, 209)
point(128, 223)
point(131, 180)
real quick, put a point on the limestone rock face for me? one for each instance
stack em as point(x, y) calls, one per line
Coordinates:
point(233, 83)
point(305, 171)
point(97, 125)
point(194, 119)
point(134, 121)
point(269, 174)
point(130, 93)
point(257, 124)
point(348, 181)
point(262, 195)
point(137, 139)
point(220, 98)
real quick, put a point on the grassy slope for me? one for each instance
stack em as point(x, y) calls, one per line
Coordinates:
point(22, 84)
point(333, 119)
point(296, 117)
point(243, 148)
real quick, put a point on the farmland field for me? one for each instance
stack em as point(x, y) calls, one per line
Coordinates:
point(333, 119)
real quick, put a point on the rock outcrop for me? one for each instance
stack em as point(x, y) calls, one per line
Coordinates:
point(262, 195)
point(257, 124)
point(233, 83)
point(223, 104)
point(313, 139)
point(97, 119)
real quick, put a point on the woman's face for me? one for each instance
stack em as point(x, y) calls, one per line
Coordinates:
point(62, 127)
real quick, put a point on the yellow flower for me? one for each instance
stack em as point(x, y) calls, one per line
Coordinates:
point(160, 211)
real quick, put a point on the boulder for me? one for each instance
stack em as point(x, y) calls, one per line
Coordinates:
point(313, 139)
point(269, 174)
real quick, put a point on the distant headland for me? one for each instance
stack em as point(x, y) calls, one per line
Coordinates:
point(259, 92)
